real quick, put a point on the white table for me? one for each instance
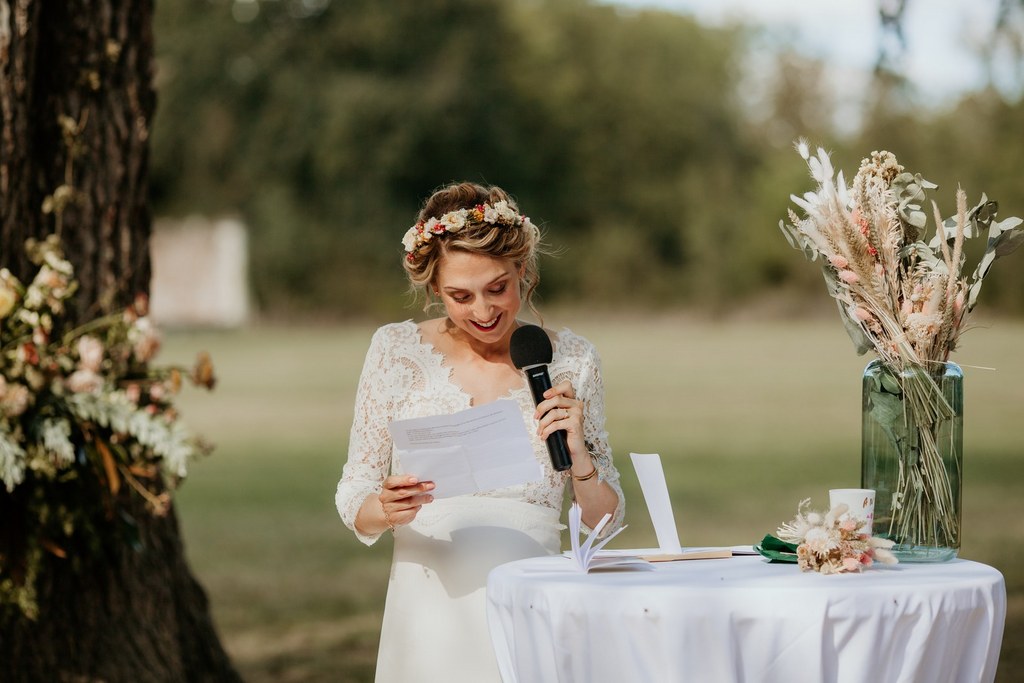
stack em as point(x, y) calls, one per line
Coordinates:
point(743, 619)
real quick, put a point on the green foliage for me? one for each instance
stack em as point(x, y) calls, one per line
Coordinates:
point(621, 132)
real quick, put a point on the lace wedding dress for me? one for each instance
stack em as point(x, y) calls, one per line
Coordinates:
point(435, 626)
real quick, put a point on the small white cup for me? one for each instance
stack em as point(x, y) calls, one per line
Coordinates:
point(861, 504)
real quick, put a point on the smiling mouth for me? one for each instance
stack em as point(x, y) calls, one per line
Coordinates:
point(489, 326)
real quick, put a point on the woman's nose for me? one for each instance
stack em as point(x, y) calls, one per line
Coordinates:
point(482, 310)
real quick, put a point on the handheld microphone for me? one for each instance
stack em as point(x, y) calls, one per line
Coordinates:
point(531, 352)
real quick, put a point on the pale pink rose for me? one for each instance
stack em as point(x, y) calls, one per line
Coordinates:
point(849, 277)
point(145, 339)
point(84, 382)
point(838, 262)
point(157, 391)
point(15, 400)
point(133, 392)
point(862, 314)
point(851, 564)
point(90, 353)
point(849, 524)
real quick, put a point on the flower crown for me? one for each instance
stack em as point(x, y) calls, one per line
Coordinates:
point(497, 214)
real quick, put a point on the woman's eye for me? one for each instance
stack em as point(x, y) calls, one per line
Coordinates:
point(460, 299)
point(499, 289)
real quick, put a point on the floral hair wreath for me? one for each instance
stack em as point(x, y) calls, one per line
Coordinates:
point(497, 214)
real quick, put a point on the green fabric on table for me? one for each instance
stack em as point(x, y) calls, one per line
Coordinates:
point(776, 550)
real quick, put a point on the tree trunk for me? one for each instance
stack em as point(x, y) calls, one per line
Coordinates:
point(76, 101)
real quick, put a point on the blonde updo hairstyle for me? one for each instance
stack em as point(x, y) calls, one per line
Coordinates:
point(520, 244)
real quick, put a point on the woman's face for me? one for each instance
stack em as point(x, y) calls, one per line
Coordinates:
point(480, 293)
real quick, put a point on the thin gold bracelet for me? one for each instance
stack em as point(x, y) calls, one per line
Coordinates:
point(387, 517)
point(592, 474)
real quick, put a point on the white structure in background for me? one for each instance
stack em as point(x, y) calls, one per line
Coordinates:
point(200, 272)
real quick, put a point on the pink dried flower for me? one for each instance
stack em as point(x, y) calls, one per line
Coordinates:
point(838, 262)
point(14, 399)
point(849, 277)
point(145, 340)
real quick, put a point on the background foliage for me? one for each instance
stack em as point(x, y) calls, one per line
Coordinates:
point(624, 132)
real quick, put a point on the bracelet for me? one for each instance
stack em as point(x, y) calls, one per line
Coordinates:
point(592, 474)
point(387, 517)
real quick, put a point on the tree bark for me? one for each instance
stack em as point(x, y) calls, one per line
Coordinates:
point(76, 103)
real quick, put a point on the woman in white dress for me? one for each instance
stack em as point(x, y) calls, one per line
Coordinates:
point(475, 254)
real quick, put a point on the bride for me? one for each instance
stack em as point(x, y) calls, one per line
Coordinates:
point(475, 254)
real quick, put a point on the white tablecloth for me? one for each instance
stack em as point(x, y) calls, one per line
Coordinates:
point(743, 619)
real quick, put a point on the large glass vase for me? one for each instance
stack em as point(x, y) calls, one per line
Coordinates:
point(912, 456)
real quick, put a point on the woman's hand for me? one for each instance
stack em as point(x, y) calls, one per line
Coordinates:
point(401, 497)
point(399, 500)
point(560, 410)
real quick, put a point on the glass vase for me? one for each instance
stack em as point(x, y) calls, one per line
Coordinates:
point(912, 456)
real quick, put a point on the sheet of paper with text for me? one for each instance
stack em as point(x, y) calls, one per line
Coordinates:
point(479, 449)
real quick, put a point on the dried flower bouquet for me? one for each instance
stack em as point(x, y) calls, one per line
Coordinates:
point(907, 300)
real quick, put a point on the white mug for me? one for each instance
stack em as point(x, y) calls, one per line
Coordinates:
point(861, 504)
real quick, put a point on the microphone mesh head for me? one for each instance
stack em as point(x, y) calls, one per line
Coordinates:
point(530, 345)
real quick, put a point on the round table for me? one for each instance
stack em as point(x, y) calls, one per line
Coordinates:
point(744, 619)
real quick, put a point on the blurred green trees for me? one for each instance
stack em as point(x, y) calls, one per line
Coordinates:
point(622, 132)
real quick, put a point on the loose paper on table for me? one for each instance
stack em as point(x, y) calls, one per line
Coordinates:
point(479, 449)
point(655, 490)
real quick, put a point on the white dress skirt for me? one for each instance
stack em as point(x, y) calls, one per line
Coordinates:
point(435, 627)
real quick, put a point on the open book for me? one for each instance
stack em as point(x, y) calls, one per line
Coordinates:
point(586, 555)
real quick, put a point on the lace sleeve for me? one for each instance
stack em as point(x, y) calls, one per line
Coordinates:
point(591, 391)
point(369, 445)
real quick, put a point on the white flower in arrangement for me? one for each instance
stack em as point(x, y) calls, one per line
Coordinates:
point(84, 382)
point(433, 226)
point(90, 353)
point(455, 221)
point(145, 339)
point(12, 461)
point(922, 327)
point(411, 238)
point(57, 441)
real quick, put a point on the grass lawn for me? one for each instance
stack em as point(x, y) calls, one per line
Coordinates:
point(749, 418)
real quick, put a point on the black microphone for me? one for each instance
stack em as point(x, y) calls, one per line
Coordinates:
point(531, 352)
